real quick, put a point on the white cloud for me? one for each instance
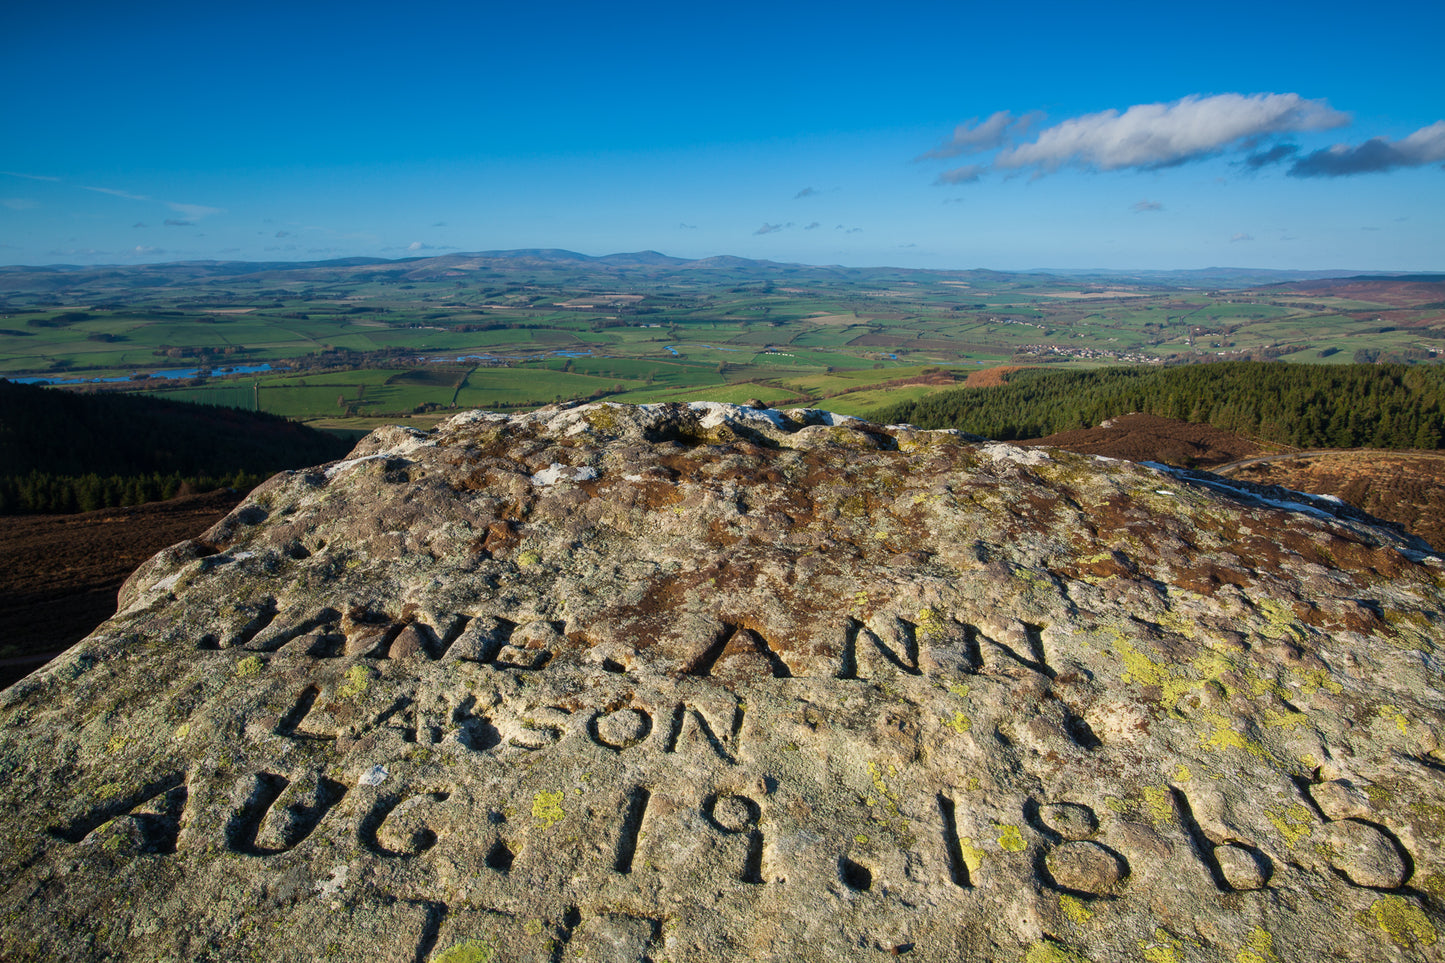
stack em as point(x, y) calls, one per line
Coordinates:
point(1241, 237)
point(1149, 136)
point(20, 203)
point(1144, 207)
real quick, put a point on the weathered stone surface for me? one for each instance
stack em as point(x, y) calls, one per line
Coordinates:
point(699, 683)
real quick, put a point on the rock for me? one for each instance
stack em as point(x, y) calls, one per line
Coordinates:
point(710, 682)
point(1242, 867)
point(1366, 854)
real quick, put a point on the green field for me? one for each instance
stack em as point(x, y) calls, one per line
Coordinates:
point(355, 344)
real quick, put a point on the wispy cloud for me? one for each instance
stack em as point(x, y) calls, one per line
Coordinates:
point(20, 203)
point(172, 222)
point(686, 227)
point(282, 234)
point(189, 212)
point(813, 227)
point(77, 252)
point(1241, 237)
point(194, 211)
point(1144, 207)
point(1374, 156)
point(962, 175)
point(805, 192)
point(29, 177)
point(973, 136)
point(115, 193)
point(769, 228)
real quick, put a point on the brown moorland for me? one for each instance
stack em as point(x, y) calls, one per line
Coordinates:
point(1399, 486)
point(1407, 488)
point(61, 572)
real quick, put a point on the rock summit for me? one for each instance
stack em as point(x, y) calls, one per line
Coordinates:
point(701, 682)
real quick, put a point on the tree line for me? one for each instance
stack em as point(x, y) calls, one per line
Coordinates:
point(47, 494)
point(64, 451)
point(1304, 406)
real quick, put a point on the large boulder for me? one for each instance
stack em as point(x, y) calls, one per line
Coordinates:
point(702, 682)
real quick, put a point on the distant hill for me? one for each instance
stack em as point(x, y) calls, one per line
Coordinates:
point(84, 282)
point(62, 451)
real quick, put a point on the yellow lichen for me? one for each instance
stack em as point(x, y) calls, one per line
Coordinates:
point(1164, 948)
point(1401, 722)
point(1051, 951)
point(1280, 620)
point(1182, 774)
point(1223, 736)
point(358, 680)
point(1293, 824)
point(469, 951)
point(1278, 720)
point(1074, 909)
point(1010, 839)
point(1159, 803)
point(1312, 680)
point(1402, 920)
point(1259, 949)
point(930, 625)
point(972, 855)
point(959, 723)
point(547, 808)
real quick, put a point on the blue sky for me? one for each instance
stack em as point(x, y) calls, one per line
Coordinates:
point(944, 135)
